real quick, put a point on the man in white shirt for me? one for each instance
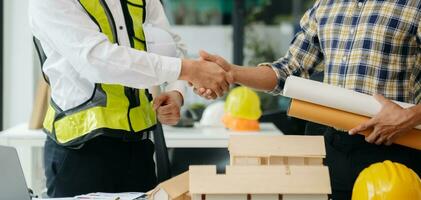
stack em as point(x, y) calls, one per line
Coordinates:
point(101, 113)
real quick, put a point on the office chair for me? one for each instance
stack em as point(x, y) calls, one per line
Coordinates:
point(161, 151)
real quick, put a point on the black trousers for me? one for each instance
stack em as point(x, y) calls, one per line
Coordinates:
point(103, 164)
point(348, 155)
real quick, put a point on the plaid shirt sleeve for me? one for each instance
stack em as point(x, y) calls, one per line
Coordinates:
point(304, 53)
point(419, 35)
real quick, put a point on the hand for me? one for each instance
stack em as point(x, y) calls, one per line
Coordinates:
point(208, 93)
point(390, 123)
point(167, 107)
point(204, 74)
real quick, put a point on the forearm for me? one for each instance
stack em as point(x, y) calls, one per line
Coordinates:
point(260, 78)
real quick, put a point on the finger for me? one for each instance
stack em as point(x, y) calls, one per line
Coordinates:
point(169, 121)
point(373, 136)
point(210, 94)
point(159, 101)
point(362, 127)
point(202, 91)
point(381, 139)
point(167, 110)
point(225, 87)
point(391, 139)
point(381, 99)
point(212, 97)
point(218, 91)
point(170, 115)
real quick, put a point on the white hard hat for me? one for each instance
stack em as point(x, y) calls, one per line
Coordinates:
point(212, 116)
point(159, 41)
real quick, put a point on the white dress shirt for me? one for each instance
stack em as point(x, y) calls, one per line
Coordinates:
point(79, 55)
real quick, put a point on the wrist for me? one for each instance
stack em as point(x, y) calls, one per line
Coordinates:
point(415, 114)
point(235, 72)
point(187, 67)
point(178, 96)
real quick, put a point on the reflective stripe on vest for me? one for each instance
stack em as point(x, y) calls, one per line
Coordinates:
point(112, 108)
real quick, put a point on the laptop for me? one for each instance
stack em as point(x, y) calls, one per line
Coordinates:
point(12, 181)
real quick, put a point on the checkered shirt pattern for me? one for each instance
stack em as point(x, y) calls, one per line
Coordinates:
point(370, 46)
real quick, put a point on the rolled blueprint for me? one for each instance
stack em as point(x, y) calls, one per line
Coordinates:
point(334, 97)
point(344, 120)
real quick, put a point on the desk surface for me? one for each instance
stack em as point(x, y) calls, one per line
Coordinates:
point(197, 137)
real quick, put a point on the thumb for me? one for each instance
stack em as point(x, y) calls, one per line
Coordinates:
point(207, 56)
point(158, 101)
point(216, 59)
point(362, 127)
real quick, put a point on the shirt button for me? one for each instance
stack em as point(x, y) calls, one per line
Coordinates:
point(121, 27)
point(360, 4)
point(352, 31)
point(344, 58)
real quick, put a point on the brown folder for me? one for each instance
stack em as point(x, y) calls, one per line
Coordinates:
point(344, 120)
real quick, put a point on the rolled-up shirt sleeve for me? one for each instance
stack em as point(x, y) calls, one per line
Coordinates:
point(69, 31)
point(303, 55)
point(156, 15)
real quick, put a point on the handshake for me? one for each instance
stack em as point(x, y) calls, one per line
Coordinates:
point(210, 76)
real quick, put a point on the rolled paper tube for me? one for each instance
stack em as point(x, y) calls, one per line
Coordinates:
point(334, 97)
point(344, 120)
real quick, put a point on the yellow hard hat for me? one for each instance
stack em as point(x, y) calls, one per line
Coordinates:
point(243, 103)
point(387, 181)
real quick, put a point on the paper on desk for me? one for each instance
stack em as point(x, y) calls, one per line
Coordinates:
point(113, 196)
point(104, 196)
point(344, 120)
point(334, 97)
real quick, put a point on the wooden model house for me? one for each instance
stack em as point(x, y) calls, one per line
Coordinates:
point(260, 183)
point(276, 150)
point(176, 188)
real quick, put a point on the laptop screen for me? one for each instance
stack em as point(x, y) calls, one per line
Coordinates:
point(12, 180)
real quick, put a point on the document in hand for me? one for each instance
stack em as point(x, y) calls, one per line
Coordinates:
point(338, 107)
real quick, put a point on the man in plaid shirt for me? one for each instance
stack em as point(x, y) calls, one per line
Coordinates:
point(370, 46)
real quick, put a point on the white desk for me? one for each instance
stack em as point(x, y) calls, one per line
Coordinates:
point(197, 137)
point(207, 137)
point(30, 143)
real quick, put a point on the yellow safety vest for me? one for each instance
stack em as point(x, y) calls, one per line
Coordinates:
point(112, 108)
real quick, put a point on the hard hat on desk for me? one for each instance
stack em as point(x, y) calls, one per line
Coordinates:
point(242, 110)
point(212, 116)
point(387, 181)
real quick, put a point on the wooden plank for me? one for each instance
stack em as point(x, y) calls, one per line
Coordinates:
point(40, 106)
point(261, 180)
point(272, 145)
